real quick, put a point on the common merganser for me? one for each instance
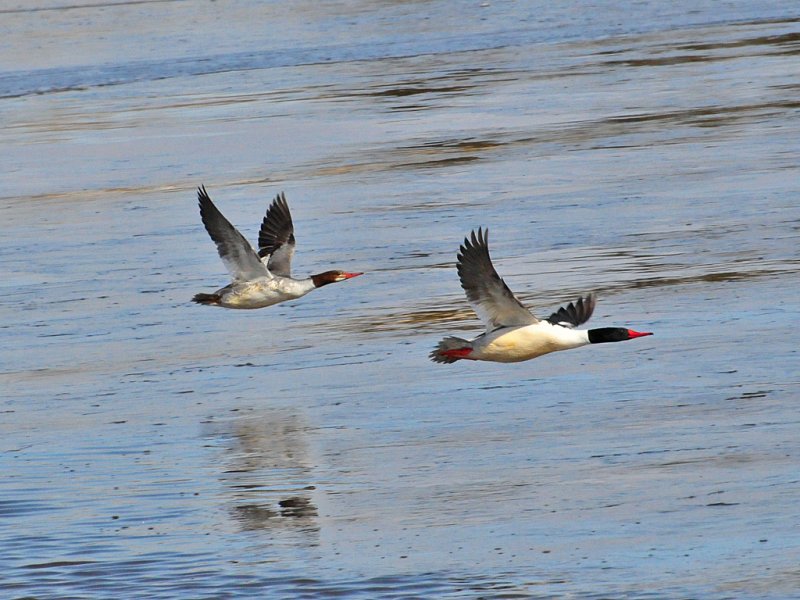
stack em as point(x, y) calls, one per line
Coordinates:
point(264, 278)
point(513, 334)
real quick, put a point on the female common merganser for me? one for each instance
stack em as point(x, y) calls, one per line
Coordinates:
point(513, 334)
point(264, 278)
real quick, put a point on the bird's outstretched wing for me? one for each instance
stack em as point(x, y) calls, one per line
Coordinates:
point(487, 293)
point(575, 313)
point(276, 238)
point(234, 250)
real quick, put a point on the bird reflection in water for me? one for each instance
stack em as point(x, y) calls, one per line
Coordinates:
point(268, 472)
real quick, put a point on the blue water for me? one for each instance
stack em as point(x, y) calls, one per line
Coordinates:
point(312, 33)
point(155, 448)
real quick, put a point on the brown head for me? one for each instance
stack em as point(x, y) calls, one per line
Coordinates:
point(331, 277)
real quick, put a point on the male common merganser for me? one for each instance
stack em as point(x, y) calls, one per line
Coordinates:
point(264, 278)
point(513, 334)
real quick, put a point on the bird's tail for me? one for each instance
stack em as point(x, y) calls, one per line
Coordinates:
point(209, 299)
point(451, 349)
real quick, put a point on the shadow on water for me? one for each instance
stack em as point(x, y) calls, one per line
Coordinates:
point(614, 131)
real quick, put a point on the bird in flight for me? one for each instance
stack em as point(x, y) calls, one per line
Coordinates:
point(260, 278)
point(513, 333)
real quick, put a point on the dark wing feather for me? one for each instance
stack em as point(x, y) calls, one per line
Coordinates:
point(276, 237)
point(234, 250)
point(487, 293)
point(574, 314)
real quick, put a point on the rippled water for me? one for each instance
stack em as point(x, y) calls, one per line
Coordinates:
point(155, 448)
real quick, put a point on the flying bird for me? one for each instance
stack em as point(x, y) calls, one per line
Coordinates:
point(513, 333)
point(260, 278)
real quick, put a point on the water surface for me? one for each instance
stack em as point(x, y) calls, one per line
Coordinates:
point(155, 448)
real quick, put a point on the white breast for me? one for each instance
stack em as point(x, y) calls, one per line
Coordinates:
point(513, 344)
point(263, 292)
